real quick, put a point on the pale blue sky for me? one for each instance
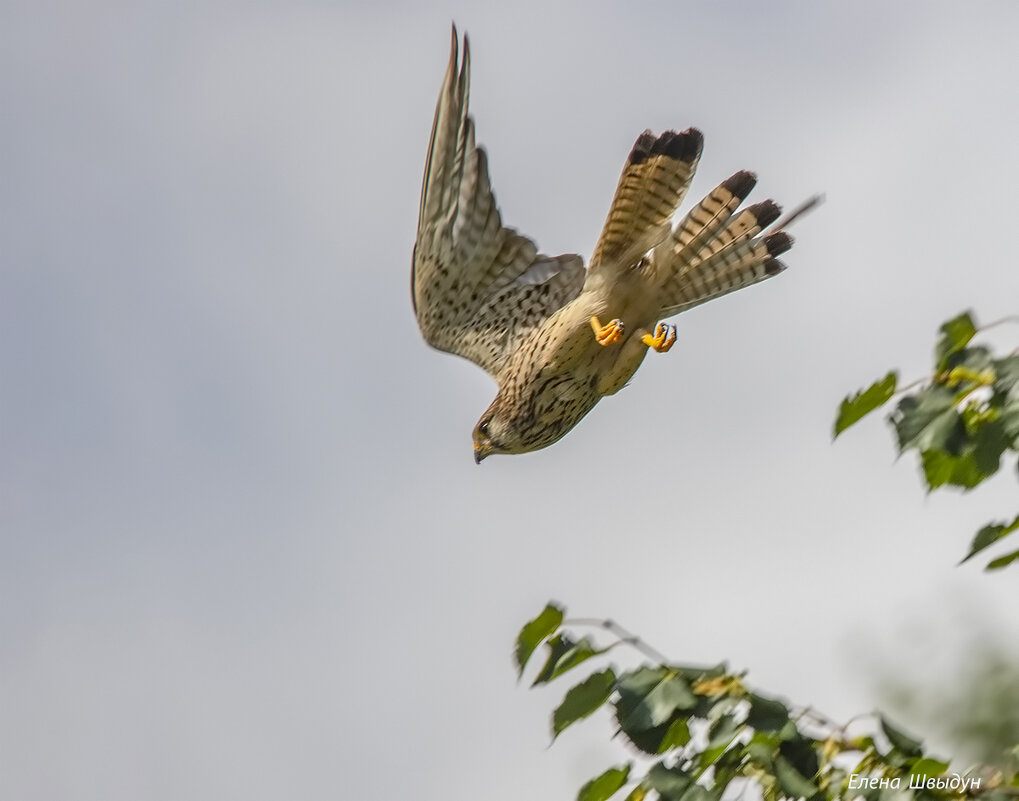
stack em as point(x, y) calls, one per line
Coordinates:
point(244, 550)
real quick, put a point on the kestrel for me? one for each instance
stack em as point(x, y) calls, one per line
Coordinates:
point(558, 338)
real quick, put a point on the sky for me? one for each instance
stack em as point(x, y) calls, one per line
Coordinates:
point(245, 552)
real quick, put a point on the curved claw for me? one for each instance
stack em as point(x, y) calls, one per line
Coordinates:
point(664, 338)
point(607, 334)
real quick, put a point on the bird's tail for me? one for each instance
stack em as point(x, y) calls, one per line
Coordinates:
point(715, 250)
point(654, 181)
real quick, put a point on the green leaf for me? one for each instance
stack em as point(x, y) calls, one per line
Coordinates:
point(898, 760)
point(649, 696)
point(1006, 382)
point(564, 654)
point(677, 736)
point(766, 714)
point(1003, 561)
point(955, 334)
point(762, 748)
point(726, 768)
point(928, 767)
point(694, 672)
point(799, 752)
point(650, 740)
point(989, 443)
point(942, 468)
point(855, 407)
point(960, 454)
point(534, 633)
point(793, 783)
point(723, 731)
point(1009, 417)
point(605, 786)
point(696, 792)
point(669, 783)
point(989, 535)
point(583, 700)
point(927, 420)
point(910, 746)
point(862, 742)
point(974, 361)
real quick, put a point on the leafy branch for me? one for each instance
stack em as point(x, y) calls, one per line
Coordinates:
point(961, 420)
point(697, 730)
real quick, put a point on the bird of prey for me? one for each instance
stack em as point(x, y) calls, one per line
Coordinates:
point(557, 337)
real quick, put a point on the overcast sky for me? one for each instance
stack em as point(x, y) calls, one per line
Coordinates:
point(245, 552)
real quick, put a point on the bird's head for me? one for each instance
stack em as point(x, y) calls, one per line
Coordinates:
point(494, 433)
point(525, 421)
point(507, 426)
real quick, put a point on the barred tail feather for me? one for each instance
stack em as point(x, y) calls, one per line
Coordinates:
point(705, 219)
point(766, 270)
point(653, 183)
point(748, 223)
point(741, 263)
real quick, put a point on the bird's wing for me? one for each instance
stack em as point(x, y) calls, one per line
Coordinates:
point(655, 179)
point(478, 287)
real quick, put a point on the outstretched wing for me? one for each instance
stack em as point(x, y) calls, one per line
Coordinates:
point(478, 287)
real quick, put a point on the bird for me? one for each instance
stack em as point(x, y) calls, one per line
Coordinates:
point(555, 335)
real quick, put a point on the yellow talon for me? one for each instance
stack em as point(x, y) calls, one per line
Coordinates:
point(664, 338)
point(609, 333)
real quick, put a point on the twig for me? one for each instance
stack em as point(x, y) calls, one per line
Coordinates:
point(1012, 318)
point(624, 635)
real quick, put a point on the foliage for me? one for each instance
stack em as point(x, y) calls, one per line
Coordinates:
point(975, 708)
point(696, 731)
point(962, 420)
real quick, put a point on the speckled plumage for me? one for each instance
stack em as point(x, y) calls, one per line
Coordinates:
point(482, 291)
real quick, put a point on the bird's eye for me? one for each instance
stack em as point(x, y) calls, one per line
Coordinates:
point(483, 428)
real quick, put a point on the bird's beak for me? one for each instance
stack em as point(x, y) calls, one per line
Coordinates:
point(478, 454)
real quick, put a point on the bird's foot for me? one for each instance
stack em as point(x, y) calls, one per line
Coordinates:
point(664, 338)
point(607, 334)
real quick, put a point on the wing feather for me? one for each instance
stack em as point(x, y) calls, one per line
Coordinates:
point(477, 286)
